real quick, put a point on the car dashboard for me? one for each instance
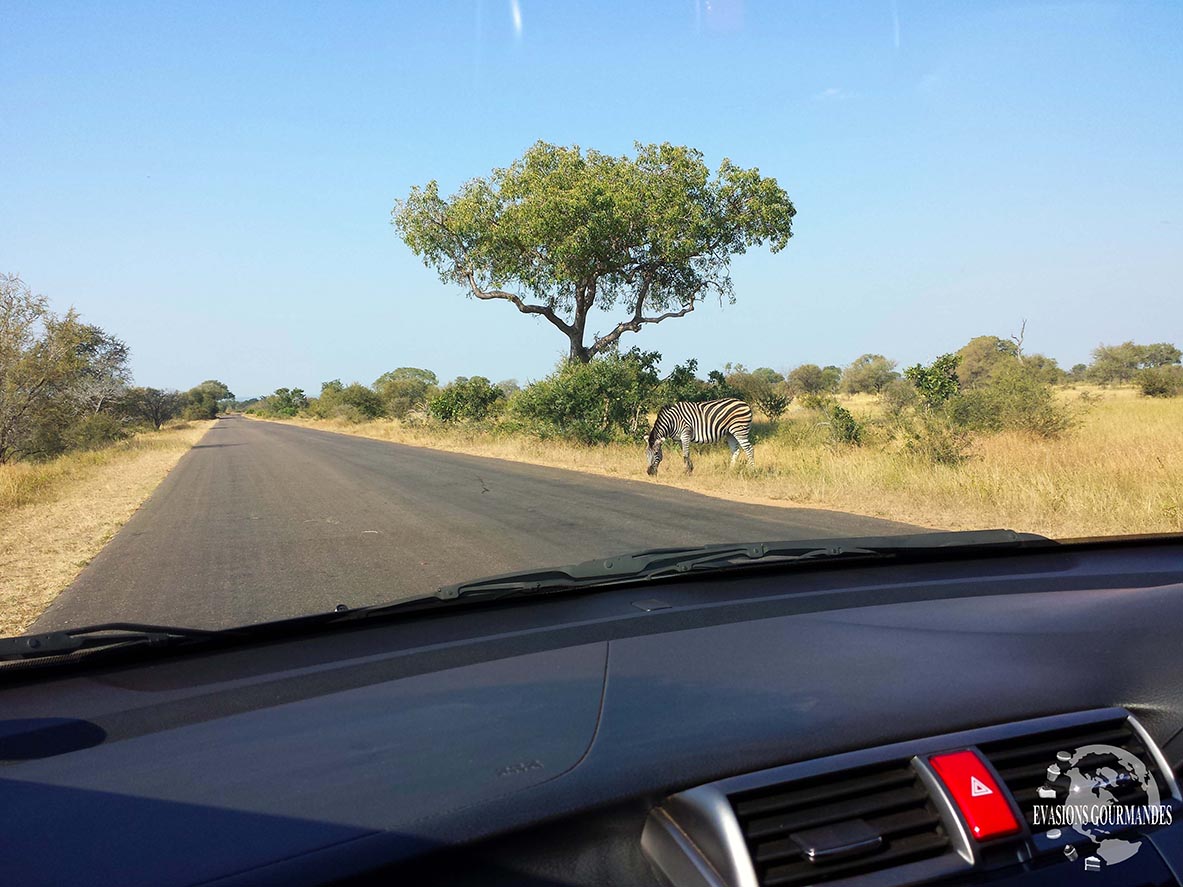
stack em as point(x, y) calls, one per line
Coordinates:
point(770, 727)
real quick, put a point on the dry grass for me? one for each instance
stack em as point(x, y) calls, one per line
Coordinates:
point(1119, 471)
point(55, 516)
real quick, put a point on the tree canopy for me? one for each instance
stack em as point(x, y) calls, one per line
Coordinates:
point(562, 231)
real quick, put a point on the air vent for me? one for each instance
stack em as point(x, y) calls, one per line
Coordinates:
point(1023, 763)
point(839, 825)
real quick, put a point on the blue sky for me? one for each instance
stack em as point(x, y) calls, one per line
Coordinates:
point(213, 182)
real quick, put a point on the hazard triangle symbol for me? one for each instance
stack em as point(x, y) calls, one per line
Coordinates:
point(977, 788)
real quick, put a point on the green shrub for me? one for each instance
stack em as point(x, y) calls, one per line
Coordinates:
point(937, 382)
point(469, 399)
point(898, 396)
point(353, 403)
point(773, 402)
point(93, 432)
point(820, 401)
point(604, 399)
point(844, 428)
point(1014, 399)
point(1164, 381)
point(932, 438)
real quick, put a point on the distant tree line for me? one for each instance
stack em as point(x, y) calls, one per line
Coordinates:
point(988, 385)
point(66, 385)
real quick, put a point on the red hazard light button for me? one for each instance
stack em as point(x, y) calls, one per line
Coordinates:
point(983, 806)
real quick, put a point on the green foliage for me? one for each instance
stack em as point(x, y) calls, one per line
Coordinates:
point(562, 231)
point(809, 378)
point(937, 382)
point(152, 405)
point(1014, 399)
point(681, 384)
point(981, 357)
point(595, 402)
point(898, 396)
point(1122, 363)
point(868, 373)
point(93, 431)
point(1161, 381)
point(841, 426)
point(763, 387)
point(203, 401)
point(1045, 369)
point(773, 402)
point(55, 371)
point(405, 389)
point(844, 428)
point(718, 387)
point(466, 399)
point(353, 403)
point(284, 402)
point(932, 438)
point(831, 378)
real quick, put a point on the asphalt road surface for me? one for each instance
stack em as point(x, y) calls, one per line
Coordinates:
point(264, 521)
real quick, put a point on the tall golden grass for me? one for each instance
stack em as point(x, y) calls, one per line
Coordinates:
point(1120, 470)
point(55, 516)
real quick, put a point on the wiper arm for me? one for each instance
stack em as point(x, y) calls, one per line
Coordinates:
point(662, 563)
point(108, 634)
point(656, 564)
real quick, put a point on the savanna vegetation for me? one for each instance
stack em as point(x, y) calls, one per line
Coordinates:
point(986, 436)
point(81, 446)
point(66, 385)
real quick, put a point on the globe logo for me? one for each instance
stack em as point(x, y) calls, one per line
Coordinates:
point(1091, 778)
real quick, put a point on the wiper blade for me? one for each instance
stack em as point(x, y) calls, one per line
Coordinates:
point(108, 634)
point(662, 563)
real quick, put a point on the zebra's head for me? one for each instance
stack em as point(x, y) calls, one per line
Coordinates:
point(653, 451)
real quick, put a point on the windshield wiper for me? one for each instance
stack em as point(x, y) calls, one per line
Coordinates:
point(108, 634)
point(661, 563)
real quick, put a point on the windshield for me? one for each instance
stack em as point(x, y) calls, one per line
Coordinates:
point(307, 306)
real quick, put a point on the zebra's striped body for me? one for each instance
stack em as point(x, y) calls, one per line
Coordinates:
point(729, 419)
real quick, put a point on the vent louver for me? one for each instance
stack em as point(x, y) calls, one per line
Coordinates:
point(781, 825)
point(1022, 764)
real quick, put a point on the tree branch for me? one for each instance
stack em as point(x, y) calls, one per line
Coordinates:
point(516, 301)
point(633, 325)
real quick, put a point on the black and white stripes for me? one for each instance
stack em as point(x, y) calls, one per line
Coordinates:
point(702, 423)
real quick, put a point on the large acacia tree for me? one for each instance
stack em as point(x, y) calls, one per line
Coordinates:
point(563, 231)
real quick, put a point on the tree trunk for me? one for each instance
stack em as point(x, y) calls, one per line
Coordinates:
point(578, 351)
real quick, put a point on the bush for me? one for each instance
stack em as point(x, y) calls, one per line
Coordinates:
point(937, 382)
point(823, 402)
point(353, 403)
point(773, 402)
point(934, 439)
point(1014, 399)
point(471, 399)
point(1164, 381)
point(595, 402)
point(869, 373)
point(844, 428)
point(94, 432)
point(408, 388)
point(898, 396)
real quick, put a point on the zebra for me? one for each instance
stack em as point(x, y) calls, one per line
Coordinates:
point(713, 420)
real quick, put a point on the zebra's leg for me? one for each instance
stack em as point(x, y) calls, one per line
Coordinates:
point(742, 437)
point(733, 443)
point(686, 451)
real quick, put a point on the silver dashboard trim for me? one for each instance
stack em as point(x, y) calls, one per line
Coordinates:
point(1159, 758)
point(697, 831)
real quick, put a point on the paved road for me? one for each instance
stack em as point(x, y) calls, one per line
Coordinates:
point(264, 520)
